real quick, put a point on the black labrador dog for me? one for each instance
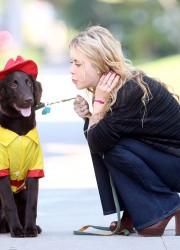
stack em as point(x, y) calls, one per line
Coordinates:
point(20, 93)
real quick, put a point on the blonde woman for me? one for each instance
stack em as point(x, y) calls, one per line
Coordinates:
point(133, 133)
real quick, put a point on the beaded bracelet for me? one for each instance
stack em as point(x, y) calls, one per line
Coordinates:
point(100, 101)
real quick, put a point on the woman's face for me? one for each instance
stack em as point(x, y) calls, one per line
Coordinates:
point(83, 74)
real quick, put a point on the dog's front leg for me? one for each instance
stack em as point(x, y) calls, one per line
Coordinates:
point(32, 185)
point(10, 208)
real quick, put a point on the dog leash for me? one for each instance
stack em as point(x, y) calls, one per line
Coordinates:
point(45, 105)
point(124, 231)
point(47, 109)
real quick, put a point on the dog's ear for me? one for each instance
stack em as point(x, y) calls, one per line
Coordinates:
point(2, 84)
point(37, 92)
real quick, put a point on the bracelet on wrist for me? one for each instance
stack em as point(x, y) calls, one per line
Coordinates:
point(99, 101)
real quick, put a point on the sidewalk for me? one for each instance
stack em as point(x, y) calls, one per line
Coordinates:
point(63, 210)
point(68, 200)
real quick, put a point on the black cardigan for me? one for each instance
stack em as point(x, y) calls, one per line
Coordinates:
point(159, 128)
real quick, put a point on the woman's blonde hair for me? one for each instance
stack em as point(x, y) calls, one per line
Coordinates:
point(105, 54)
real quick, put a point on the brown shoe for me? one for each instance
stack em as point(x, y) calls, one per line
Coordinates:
point(158, 229)
point(126, 224)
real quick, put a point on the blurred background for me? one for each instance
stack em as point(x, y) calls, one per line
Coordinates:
point(149, 31)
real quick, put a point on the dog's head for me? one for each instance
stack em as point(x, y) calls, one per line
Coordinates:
point(19, 94)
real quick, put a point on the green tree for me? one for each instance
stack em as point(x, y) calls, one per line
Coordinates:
point(146, 28)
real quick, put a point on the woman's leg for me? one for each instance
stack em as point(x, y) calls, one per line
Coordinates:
point(146, 196)
point(166, 166)
point(104, 186)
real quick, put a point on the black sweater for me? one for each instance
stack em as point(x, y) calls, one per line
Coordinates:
point(160, 127)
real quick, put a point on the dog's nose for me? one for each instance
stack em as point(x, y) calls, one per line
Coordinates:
point(29, 100)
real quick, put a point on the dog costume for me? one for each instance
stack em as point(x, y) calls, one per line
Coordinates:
point(20, 156)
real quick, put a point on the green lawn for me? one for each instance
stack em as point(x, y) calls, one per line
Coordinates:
point(166, 69)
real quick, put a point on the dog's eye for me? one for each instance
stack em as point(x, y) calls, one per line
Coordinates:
point(29, 83)
point(13, 85)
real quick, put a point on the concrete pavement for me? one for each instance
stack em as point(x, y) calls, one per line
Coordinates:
point(68, 200)
point(63, 210)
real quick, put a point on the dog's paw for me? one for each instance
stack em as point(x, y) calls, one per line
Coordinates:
point(31, 232)
point(39, 229)
point(17, 233)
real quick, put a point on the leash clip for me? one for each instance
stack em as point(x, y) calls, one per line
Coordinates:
point(46, 108)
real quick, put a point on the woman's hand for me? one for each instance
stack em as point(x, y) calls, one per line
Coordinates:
point(106, 85)
point(81, 107)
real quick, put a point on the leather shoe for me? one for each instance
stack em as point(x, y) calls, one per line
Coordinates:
point(157, 229)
